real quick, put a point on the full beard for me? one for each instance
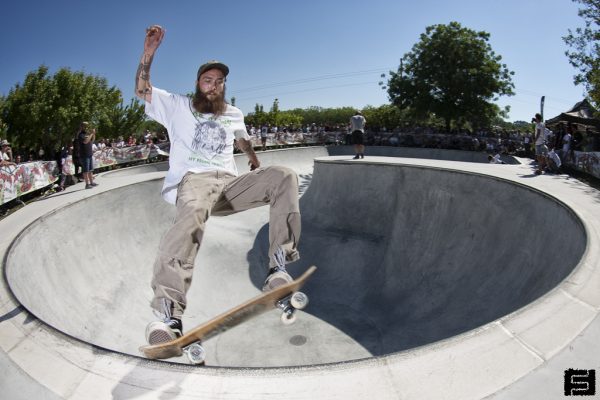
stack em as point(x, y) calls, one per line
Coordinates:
point(204, 105)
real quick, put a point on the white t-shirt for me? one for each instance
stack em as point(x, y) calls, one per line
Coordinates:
point(540, 127)
point(566, 141)
point(199, 142)
point(554, 157)
point(357, 123)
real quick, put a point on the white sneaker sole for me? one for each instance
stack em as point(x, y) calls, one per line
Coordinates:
point(275, 280)
point(158, 332)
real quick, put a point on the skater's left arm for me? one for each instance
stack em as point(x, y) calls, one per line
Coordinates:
point(246, 146)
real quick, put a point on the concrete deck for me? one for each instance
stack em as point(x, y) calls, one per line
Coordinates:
point(437, 280)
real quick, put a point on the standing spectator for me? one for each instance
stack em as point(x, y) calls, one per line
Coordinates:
point(77, 159)
point(527, 145)
point(348, 137)
point(577, 140)
point(86, 154)
point(263, 137)
point(541, 151)
point(120, 142)
point(101, 145)
point(357, 126)
point(67, 168)
point(5, 153)
point(566, 140)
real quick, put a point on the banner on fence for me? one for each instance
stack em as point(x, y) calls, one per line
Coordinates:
point(17, 180)
point(588, 162)
point(123, 155)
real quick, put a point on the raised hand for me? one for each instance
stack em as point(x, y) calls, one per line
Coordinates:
point(154, 36)
point(143, 88)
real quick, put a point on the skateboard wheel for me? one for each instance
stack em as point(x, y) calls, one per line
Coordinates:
point(299, 300)
point(196, 353)
point(288, 317)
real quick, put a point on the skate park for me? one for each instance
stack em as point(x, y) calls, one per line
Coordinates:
point(440, 276)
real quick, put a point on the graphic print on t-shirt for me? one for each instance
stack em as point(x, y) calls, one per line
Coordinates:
point(209, 138)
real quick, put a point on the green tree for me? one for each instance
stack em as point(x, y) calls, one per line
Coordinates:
point(325, 116)
point(453, 73)
point(259, 117)
point(585, 49)
point(387, 115)
point(289, 119)
point(3, 126)
point(123, 120)
point(47, 110)
point(273, 115)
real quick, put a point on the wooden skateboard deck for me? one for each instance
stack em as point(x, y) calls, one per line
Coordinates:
point(229, 319)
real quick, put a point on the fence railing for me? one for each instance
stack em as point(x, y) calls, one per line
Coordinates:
point(17, 180)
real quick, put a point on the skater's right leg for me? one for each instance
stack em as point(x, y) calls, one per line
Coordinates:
point(173, 268)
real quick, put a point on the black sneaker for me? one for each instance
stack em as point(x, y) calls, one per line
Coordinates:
point(163, 331)
point(88, 186)
point(94, 184)
point(356, 157)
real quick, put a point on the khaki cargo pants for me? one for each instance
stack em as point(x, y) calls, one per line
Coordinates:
point(201, 195)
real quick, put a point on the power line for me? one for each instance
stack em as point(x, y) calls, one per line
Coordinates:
point(307, 90)
point(527, 92)
point(309, 80)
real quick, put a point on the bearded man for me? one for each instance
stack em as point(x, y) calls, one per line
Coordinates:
point(203, 180)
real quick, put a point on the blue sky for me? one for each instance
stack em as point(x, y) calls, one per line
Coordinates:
point(305, 53)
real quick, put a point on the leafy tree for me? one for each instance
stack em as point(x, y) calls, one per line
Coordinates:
point(585, 49)
point(123, 120)
point(386, 116)
point(46, 110)
point(3, 126)
point(259, 117)
point(289, 118)
point(453, 73)
point(274, 117)
point(274, 113)
point(325, 116)
point(150, 125)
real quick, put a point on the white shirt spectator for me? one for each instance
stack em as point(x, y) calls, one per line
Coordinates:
point(541, 139)
point(566, 142)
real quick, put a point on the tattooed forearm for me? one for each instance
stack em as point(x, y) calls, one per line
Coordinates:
point(246, 146)
point(143, 88)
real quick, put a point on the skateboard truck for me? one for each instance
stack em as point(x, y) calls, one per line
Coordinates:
point(195, 353)
point(289, 305)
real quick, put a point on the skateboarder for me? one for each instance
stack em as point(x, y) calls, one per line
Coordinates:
point(203, 180)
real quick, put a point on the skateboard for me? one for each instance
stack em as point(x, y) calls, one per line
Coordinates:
point(285, 297)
